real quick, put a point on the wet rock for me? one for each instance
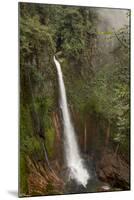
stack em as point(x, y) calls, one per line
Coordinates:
point(42, 180)
point(104, 188)
point(113, 170)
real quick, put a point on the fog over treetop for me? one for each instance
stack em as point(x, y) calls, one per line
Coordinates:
point(112, 18)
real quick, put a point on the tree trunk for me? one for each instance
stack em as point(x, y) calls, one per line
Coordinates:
point(107, 135)
point(85, 138)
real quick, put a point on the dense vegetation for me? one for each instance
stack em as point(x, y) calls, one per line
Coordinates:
point(95, 88)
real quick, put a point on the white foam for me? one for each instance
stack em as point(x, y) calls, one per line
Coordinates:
point(73, 159)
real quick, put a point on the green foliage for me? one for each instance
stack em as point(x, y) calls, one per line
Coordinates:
point(25, 125)
point(23, 175)
point(29, 143)
point(110, 90)
point(72, 33)
point(32, 145)
point(35, 39)
point(50, 138)
point(49, 188)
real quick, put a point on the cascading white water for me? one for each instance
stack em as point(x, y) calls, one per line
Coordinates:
point(73, 159)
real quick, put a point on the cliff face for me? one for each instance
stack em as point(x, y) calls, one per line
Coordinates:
point(109, 165)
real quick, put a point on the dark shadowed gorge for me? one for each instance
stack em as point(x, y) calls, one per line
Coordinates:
point(93, 50)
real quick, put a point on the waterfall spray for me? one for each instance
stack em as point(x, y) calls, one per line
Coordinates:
point(74, 162)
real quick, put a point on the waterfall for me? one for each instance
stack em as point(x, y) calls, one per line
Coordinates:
point(74, 162)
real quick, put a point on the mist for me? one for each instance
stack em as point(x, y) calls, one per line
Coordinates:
point(110, 19)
